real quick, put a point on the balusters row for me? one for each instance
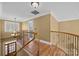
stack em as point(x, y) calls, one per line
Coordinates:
point(67, 42)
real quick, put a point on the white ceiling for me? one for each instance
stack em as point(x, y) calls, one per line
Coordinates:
point(22, 10)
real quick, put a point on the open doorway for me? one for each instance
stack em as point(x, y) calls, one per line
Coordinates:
point(30, 29)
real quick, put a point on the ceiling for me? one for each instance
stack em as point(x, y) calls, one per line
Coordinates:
point(22, 10)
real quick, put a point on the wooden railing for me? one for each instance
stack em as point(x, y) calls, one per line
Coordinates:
point(24, 38)
point(10, 48)
point(68, 42)
point(8, 43)
point(21, 38)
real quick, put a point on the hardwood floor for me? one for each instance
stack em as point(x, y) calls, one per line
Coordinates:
point(42, 49)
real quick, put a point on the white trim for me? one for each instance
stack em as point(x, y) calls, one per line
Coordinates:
point(10, 41)
point(53, 15)
point(64, 20)
point(46, 42)
point(35, 16)
point(31, 18)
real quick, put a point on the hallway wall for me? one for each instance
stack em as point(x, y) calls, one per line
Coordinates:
point(54, 26)
point(42, 27)
point(24, 26)
point(1, 30)
point(69, 26)
point(0, 43)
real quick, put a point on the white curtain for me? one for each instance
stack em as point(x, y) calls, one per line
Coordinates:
point(11, 26)
point(30, 29)
point(30, 25)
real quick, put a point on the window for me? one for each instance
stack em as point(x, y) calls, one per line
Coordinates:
point(11, 26)
point(30, 25)
point(30, 28)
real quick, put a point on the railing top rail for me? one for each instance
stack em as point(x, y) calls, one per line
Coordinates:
point(8, 37)
point(10, 43)
point(27, 42)
point(17, 35)
point(31, 32)
point(24, 46)
point(65, 33)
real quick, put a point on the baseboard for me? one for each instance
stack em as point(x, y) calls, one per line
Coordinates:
point(46, 42)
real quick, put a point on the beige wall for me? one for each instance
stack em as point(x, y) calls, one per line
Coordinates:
point(24, 26)
point(42, 27)
point(1, 26)
point(1, 30)
point(0, 37)
point(54, 26)
point(70, 26)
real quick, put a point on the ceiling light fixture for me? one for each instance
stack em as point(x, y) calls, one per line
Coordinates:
point(35, 4)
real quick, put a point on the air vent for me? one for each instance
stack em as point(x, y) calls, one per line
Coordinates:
point(35, 12)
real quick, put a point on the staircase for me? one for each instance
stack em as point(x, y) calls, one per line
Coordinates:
point(63, 44)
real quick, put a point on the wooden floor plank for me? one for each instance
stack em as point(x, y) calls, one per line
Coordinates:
point(42, 49)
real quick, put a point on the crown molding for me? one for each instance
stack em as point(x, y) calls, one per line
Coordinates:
point(65, 20)
point(27, 19)
point(36, 16)
point(53, 15)
point(39, 15)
